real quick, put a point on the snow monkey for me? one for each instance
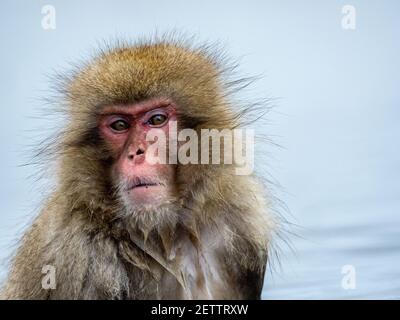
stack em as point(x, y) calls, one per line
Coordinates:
point(118, 226)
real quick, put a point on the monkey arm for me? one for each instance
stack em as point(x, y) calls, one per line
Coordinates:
point(251, 229)
point(53, 241)
point(253, 281)
point(248, 270)
point(24, 280)
point(85, 262)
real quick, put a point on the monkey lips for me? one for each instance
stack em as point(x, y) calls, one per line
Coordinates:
point(144, 191)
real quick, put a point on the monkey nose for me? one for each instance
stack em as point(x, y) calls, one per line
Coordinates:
point(138, 152)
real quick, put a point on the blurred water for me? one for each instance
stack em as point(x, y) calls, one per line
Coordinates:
point(365, 236)
point(337, 119)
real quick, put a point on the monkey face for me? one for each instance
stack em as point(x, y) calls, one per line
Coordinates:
point(125, 128)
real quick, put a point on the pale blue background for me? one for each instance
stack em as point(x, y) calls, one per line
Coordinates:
point(337, 118)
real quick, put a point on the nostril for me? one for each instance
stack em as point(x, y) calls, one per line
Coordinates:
point(138, 152)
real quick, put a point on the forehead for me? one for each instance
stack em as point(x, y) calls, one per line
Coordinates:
point(139, 107)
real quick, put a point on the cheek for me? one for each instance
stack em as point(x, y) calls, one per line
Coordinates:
point(167, 172)
point(114, 143)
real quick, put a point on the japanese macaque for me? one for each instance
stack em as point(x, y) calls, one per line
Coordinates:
point(119, 227)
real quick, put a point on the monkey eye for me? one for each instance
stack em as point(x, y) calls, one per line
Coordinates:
point(120, 125)
point(157, 120)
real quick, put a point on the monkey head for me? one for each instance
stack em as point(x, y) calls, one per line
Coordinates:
point(113, 102)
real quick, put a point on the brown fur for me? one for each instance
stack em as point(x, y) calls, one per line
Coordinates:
point(223, 223)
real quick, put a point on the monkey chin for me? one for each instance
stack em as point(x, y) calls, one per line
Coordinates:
point(149, 208)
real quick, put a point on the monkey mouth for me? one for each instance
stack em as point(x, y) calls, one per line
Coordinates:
point(141, 183)
point(144, 185)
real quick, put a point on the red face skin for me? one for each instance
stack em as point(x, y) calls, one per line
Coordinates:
point(124, 128)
